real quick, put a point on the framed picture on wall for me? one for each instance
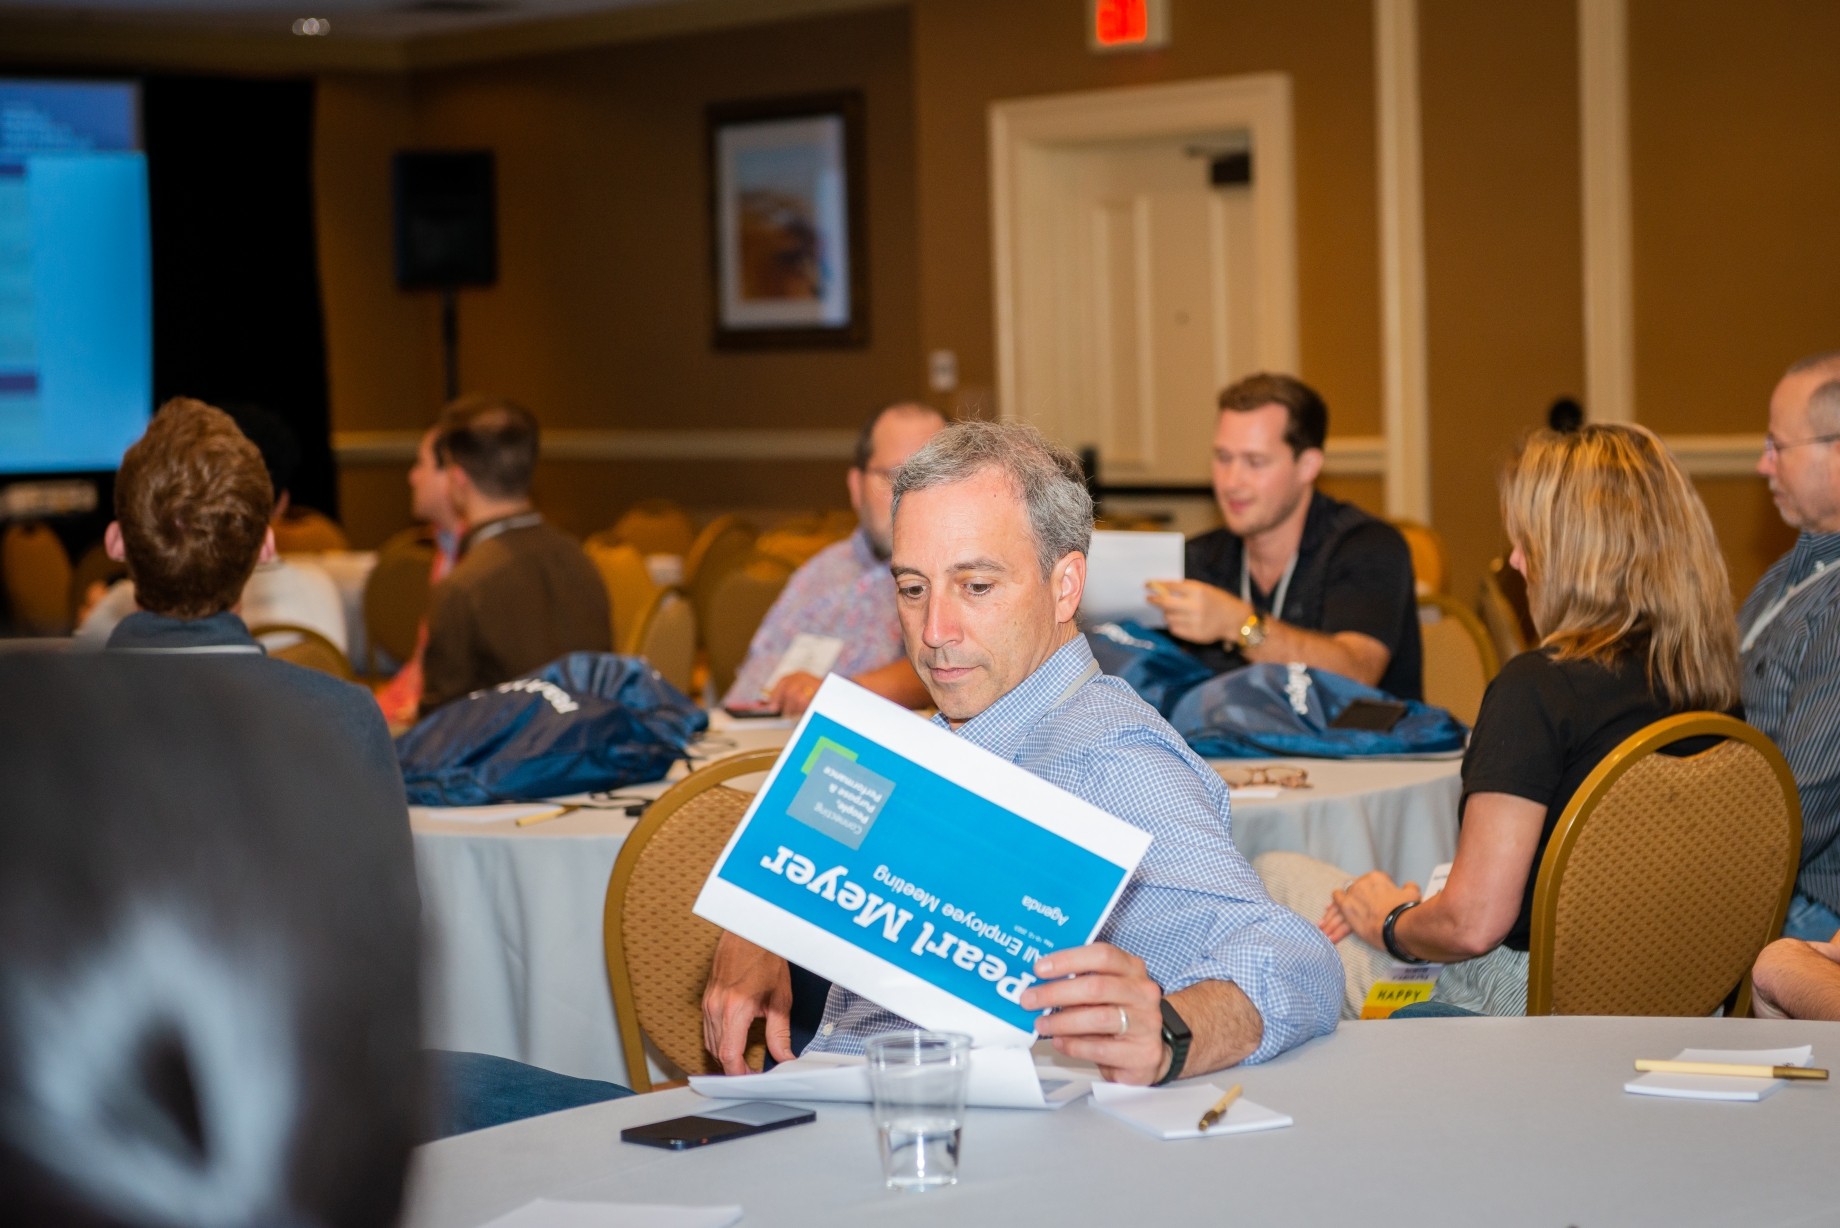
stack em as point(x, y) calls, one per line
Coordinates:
point(786, 222)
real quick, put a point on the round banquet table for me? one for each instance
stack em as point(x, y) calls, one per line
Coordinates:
point(516, 965)
point(1421, 1122)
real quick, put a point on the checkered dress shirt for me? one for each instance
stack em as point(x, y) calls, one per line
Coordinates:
point(1194, 911)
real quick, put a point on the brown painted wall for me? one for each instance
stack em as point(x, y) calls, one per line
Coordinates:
point(1735, 170)
point(601, 316)
point(970, 53)
point(1503, 248)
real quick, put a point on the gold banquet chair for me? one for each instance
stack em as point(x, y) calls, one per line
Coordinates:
point(1666, 875)
point(36, 569)
point(737, 606)
point(666, 637)
point(1459, 656)
point(653, 526)
point(1499, 615)
point(1430, 565)
point(725, 543)
point(658, 951)
point(303, 646)
point(629, 585)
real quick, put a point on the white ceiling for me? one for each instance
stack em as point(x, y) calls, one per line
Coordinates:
point(351, 19)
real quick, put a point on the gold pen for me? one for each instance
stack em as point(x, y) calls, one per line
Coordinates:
point(1734, 1069)
point(544, 816)
point(1213, 1115)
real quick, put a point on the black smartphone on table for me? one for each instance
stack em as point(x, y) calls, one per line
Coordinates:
point(1372, 715)
point(718, 1125)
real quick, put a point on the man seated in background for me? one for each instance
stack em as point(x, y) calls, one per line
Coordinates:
point(279, 591)
point(523, 593)
point(192, 520)
point(1789, 629)
point(1294, 575)
point(843, 592)
point(1797, 979)
point(431, 501)
point(1196, 969)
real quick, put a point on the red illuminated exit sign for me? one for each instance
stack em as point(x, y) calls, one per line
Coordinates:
point(1127, 25)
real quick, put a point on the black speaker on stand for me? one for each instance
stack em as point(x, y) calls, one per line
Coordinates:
point(446, 232)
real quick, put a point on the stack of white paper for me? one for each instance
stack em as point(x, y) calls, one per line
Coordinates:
point(1119, 566)
point(1175, 1112)
point(1720, 1087)
point(548, 1213)
point(1000, 1079)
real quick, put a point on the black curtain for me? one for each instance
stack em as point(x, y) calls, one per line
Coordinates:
point(236, 303)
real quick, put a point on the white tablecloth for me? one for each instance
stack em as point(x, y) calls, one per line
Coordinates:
point(1422, 1123)
point(351, 571)
point(515, 960)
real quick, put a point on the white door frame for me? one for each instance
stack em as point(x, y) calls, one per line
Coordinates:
point(1259, 104)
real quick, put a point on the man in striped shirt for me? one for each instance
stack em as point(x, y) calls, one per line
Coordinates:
point(1791, 629)
point(1196, 969)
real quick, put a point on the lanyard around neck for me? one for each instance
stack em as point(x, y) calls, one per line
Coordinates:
point(1821, 572)
point(520, 520)
point(1284, 584)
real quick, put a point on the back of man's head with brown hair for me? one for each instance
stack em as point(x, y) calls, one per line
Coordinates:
point(193, 499)
point(493, 440)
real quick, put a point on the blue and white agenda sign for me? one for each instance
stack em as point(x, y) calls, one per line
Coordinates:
point(929, 878)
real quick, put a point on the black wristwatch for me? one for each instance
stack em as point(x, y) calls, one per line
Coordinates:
point(1177, 1036)
point(1392, 944)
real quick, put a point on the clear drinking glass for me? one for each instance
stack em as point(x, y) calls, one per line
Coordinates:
point(918, 1081)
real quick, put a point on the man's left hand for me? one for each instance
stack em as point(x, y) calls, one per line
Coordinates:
point(1199, 612)
point(1106, 1011)
point(793, 693)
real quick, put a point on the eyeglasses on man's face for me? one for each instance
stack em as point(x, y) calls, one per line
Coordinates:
point(1772, 445)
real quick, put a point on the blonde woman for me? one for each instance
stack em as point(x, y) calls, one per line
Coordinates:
point(1630, 597)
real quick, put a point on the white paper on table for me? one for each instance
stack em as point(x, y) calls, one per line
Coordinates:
point(1720, 1087)
point(933, 759)
point(1000, 1079)
point(1175, 1112)
point(808, 654)
point(551, 1213)
point(1118, 567)
point(1254, 793)
point(501, 813)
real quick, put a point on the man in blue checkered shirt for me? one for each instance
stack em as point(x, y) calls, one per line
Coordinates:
point(1197, 968)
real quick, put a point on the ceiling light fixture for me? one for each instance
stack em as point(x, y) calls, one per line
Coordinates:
point(312, 26)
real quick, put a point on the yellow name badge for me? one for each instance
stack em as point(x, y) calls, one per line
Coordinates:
point(1409, 983)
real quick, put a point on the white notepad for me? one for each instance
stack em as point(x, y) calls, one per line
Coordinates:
point(1175, 1112)
point(1720, 1087)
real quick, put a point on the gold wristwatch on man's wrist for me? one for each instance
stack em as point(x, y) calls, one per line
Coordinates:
point(1252, 631)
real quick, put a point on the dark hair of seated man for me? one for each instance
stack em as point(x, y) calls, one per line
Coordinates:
point(193, 500)
point(492, 439)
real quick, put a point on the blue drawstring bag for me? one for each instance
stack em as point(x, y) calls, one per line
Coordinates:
point(1157, 667)
point(584, 722)
point(1266, 710)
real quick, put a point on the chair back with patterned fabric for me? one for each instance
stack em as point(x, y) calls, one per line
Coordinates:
point(1459, 656)
point(658, 951)
point(1666, 875)
point(303, 646)
point(666, 637)
point(737, 606)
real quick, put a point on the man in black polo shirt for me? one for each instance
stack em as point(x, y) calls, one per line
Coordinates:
point(1295, 575)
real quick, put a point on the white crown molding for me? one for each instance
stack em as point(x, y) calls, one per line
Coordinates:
point(1609, 284)
point(1357, 456)
point(1405, 412)
point(1716, 456)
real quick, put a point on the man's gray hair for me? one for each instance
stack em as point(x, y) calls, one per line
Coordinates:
point(1047, 476)
point(1824, 401)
